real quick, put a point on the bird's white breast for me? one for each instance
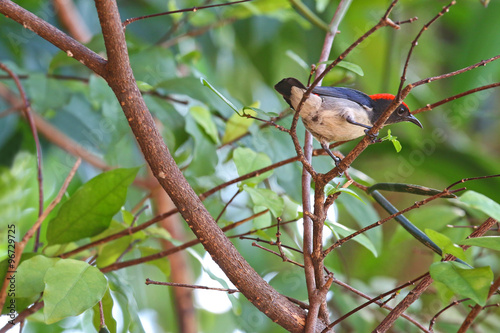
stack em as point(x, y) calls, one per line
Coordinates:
point(327, 121)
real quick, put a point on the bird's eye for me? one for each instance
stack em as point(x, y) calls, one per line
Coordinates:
point(401, 111)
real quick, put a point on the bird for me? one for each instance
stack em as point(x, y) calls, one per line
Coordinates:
point(333, 114)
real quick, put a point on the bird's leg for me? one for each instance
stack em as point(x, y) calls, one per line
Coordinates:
point(373, 137)
point(324, 144)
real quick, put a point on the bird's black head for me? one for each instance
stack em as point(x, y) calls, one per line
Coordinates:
point(402, 112)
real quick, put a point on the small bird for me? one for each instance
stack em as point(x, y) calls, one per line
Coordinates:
point(340, 114)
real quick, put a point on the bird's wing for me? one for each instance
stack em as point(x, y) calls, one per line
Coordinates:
point(345, 93)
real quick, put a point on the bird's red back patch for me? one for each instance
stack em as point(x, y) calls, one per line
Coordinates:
point(386, 96)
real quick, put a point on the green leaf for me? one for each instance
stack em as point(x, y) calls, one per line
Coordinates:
point(364, 214)
point(30, 275)
point(231, 105)
point(266, 198)
point(237, 126)
point(397, 145)
point(250, 9)
point(247, 160)
point(473, 283)
point(71, 287)
point(330, 189)
point(152, 64)
point(162, 264)
point(342, 231)
point(99, 91)
point(257, 111)
point(190, 57)
point(445, 244)
point(144, 86)
point(301, 62)
point(356, 69)
point(90, 210)
point(482, 203)
point(321, 5)
point(46, 94)
point(203, 118)
point(489, 242)
point(18, 195)
point(393, 139)
point(110, 252)
point(205, 152)
point(123, 294)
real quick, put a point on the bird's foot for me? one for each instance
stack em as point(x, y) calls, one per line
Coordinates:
point(373, 137)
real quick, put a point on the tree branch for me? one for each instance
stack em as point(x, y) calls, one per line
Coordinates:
point(53, 35)
point(164, 168)
point(415, 294)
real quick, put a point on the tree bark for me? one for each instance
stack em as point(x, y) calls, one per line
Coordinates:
point(121, 80)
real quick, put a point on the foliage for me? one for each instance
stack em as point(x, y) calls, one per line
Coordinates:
point(209, 85)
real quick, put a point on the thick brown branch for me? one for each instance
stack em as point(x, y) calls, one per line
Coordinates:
point(121, 80)
point(53, 35)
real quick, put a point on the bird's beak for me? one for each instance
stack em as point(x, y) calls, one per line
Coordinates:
point(411, 118)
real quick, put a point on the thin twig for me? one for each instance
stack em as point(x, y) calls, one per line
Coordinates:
point(136, 216)
point(257, 239)
point(128, 249)
point(101, 315)
point(452, 304)
point(317, 305)
point(417, 204)
point(23, 315)
point(452, 98)
point(389, 320)
point(227, 204)
point(415, 42)
point(27, 112)
point(165, 253)
point(450, 74)
point(478, 308)
point(374, 300)
point(379, 303)
point(277, 254)
point(192, 9)
point(196, 32)
point(10, 110)
point(203, 196)
point(471, 178)
point(192, 286)
point(125, 232)
point(253, 231)
point(278, 239)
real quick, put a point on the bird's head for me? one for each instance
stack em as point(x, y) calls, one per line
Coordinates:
point(402, 112)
